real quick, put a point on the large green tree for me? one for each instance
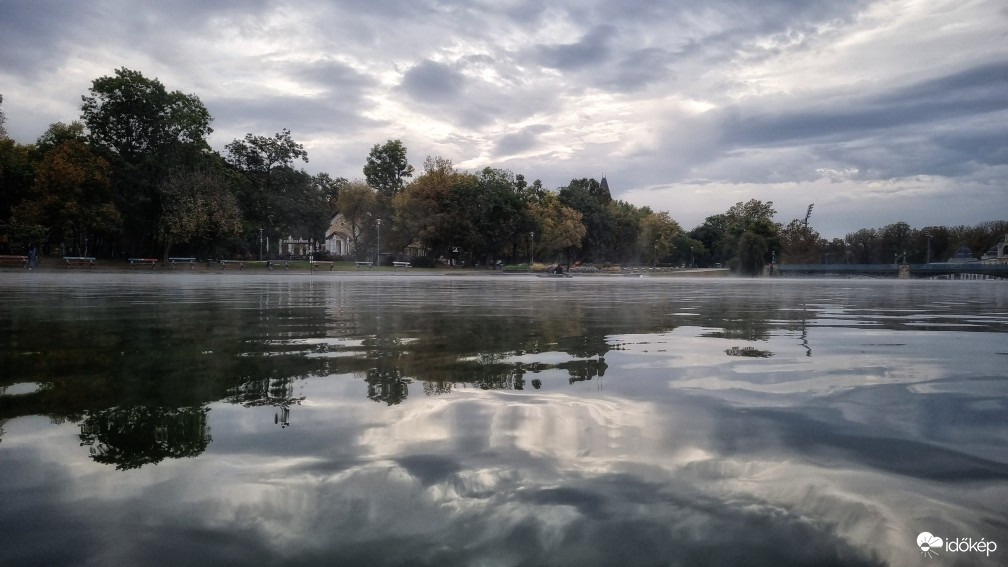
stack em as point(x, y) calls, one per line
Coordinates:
point(273, 193)
point(751, 235)
point(146, 131)
point(712, 233)
point(261, 155)
point(199, 209)
point(421, 212)
point(800, 244)
point(329, 187)
point(503, 218)
point(864, 246)
point(140, 120)
point(387, 168)
point(625, 227)
point(587, 197)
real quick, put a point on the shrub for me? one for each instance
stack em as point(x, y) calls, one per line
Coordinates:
point(422, 262)
point(582, 269)
point(516, 268)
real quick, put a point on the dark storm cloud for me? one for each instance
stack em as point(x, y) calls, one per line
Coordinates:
point(37, 34)
point(456, 93)
point(268, 114)
point(430, 81)
point(971, 92)
point(825, 438)
point(430, 469)
point(519, 141)
point(336, 78)
point(765, 17)
point(593, 48)
point(191, 13)
point(637, 69)
point(950, 149)
point(394, 10)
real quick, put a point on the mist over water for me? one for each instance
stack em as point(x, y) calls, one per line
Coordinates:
point(498, 420)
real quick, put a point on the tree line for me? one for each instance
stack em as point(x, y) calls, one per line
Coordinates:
point(135, 176)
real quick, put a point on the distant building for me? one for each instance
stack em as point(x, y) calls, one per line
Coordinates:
point(998, 253)
point(962, 256)
point(338, 240)
point(295, 247)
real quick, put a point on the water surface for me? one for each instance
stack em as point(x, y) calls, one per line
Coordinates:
point(160, 418)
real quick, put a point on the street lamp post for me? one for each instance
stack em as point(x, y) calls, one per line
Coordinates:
point(378, 258)
point(928, 234)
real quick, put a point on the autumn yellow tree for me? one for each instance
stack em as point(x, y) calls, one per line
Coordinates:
point(420, 212)
point(560, 228)
point(356, 201)
point(72, 197)
point(657, 235)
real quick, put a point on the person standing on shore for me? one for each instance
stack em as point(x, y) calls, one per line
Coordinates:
point(32, 253)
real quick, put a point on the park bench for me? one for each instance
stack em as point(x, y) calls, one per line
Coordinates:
point(314, 263)
point(88, 261)
point(397, 265)
point(363, 263)
point(22, 260)
point(134, 262)
point(190, 261)
point(241, 264)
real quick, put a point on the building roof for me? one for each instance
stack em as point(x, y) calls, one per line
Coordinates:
point(962, 255)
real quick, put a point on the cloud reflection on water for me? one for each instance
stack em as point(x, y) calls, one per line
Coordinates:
point(640, 441)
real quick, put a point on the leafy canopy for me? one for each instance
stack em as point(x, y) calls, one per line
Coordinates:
point(138, 118)
point(387, 168)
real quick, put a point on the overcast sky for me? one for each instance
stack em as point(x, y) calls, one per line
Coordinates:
point(874, 111)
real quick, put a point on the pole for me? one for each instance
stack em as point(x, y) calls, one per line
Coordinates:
point(531, 249)
point(260, 243)
point(378, 259)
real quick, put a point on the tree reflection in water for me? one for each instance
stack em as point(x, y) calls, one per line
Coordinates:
point(131, 437)
point(267, 392)
point(120, 376)
point(386, 385)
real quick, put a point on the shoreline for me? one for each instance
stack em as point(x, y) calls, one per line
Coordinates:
point(301, 268)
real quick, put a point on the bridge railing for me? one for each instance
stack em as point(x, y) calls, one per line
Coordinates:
point(932, 269)
point(839, 268)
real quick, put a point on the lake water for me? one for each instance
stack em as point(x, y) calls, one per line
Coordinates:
point(166, 419)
